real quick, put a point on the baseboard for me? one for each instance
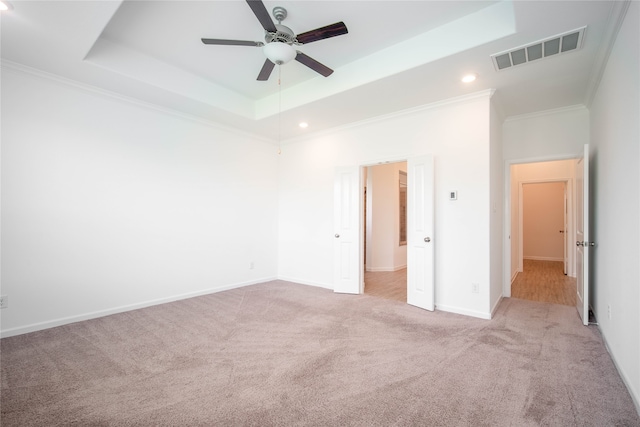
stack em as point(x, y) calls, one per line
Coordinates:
point(543, 258)
point(101, 313)
point(378, 269)
point(496, 305)
point(632, 392)
point(457, 310)
point(305, 282)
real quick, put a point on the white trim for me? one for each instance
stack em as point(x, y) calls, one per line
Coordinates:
point(495, 306)
point(465, 312)
point(388, 269)
point(101, 313)
point(515, 275)
point(541, 159)
point(542, 258)
point(306, 282)
point(16, 67)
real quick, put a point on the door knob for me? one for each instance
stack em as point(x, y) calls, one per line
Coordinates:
point(337, 235)
point(579, 244)
point(427, 239)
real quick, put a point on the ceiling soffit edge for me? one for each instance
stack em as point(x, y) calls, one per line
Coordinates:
point(489, 24)
point(95, 90)
point(149, 70)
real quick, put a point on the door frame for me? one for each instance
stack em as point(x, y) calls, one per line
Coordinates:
point(362, 184)
point(388, 160)
point(568, 193)
point(506, 245)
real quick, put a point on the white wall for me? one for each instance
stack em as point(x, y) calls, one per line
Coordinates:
point(457, 134)
point(497, 208)
point(615, 177)
point(547, 135)
point(383, 218)
point(512, 242)
point(108, 205)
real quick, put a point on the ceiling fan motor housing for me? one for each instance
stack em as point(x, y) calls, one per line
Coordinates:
point(283, 34)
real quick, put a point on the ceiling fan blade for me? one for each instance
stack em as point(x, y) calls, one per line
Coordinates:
point(262, 14)
point(265, 72)
point(232, 42)
point(313, 64)
point(329, 31)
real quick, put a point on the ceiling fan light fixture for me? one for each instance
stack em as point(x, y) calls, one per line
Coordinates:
point(279, 53)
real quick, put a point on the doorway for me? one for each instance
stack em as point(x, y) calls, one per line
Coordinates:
point(348, 265)
point(385, 241)
point(542, 223)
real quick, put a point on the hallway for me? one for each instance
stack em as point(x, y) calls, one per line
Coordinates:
point(390, 285)
point(544, 281)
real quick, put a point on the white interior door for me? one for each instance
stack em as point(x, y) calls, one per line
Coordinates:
point(347, 224)
point(564, 232)
point(420, 238)
point(582, 235)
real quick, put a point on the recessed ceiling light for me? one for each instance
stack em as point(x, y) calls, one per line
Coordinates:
point(303, 125)
point(4, 5)
point(469, 78)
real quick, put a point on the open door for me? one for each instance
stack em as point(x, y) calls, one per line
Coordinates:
point(347, 224)
point(420, 238)
point(582, 235)
point(565, 227)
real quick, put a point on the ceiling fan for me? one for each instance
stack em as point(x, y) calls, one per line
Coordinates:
point(279, 40)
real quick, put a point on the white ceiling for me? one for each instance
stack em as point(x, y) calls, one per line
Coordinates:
point(397, 55)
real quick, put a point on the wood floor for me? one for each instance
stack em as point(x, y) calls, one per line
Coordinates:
point(386, 284)
point(544, 281)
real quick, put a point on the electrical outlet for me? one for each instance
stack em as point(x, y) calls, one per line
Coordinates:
point(4, 301)
point(251, 265)
point(609, 311)
point(475, 288)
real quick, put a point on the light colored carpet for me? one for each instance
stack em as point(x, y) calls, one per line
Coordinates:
point(282, 354)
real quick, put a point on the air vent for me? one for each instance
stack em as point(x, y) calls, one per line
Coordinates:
point(547, 48)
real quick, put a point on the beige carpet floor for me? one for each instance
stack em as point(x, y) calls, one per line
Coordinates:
point(282, 354)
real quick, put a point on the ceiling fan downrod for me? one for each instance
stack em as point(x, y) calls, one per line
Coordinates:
point(280, 13)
